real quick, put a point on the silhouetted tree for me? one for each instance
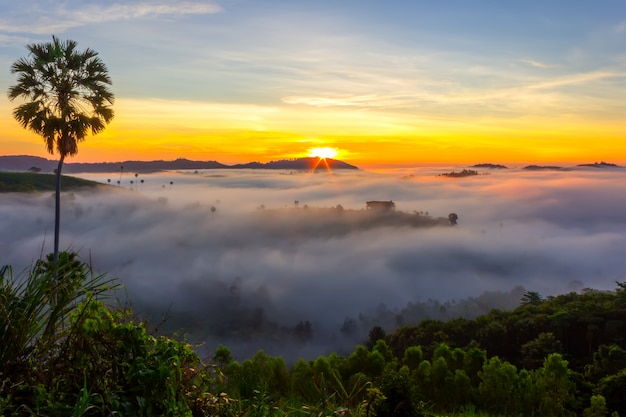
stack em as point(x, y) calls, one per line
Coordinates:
point(376, 333)
point(531, 298)
point(67, 96)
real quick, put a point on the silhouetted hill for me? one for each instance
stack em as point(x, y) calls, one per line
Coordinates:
point(460, 174)
point(489, 166)
point(543, 168)
point(600, 165)
point(37, 164)
point(299, 163)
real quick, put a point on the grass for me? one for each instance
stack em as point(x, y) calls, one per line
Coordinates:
point(31, 182)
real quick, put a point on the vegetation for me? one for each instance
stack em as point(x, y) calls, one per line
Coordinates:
point(28, 181)
point(67, 349)
point(66, 95)
point(461, 174)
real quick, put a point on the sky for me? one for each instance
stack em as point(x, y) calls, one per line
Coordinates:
point(399, 83)
point(241, 275)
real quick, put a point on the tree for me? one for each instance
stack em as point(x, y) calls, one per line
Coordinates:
point(532, 298)
point(535, 351)
point(556, 387)
point(497, 388)
point(376, 333)
point(597, 407)
point(66, 93)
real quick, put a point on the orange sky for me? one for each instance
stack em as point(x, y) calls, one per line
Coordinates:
point(421, 83)
point(160, 129)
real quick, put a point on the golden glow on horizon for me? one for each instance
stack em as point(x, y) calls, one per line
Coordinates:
point(323, 153)
point(149, 129)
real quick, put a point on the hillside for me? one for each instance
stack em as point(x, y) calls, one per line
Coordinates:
point(26, 163)
point(28, 181)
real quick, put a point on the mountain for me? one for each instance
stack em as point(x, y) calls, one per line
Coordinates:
point(299, 164)
point(489, 166)
point(544, 168)
point(600, 165)
point(37, 164)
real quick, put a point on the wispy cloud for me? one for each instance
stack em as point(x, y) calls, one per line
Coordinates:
point(581, 78)
point(456, 93)
point(45, 21)
point(370, 100)
point(537, 64)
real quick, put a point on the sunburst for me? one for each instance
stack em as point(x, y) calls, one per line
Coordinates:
point(323, 153)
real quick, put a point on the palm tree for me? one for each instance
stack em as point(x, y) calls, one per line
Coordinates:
point(66, 93)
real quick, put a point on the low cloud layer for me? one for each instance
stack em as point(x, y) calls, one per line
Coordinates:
point(247, 258)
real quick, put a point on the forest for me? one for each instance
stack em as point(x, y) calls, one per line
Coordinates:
point(67, 347)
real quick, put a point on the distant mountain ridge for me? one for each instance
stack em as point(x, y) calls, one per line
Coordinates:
point(35, 163)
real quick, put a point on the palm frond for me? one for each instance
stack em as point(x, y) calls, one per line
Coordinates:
point(66, 93)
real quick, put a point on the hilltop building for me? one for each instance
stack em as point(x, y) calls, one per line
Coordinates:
point(380, 205)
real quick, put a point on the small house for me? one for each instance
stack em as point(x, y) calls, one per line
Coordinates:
point(380, 205)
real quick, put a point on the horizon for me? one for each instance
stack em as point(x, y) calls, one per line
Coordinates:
point(369, 167)
point(416, 83)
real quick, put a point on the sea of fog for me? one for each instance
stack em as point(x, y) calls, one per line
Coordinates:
point(251, 259)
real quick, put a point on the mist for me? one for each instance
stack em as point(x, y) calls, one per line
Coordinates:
point(266, 260)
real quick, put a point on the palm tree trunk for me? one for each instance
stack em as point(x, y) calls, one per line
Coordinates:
point(57, 209)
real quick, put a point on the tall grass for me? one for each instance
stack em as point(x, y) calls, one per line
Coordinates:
point(36, 327)
point(35, 308)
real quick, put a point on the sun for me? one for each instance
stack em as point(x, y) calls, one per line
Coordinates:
point(323, 153)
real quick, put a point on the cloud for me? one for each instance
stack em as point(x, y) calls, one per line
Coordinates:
point(352, 101)
point(246, 276)
point(620, 28)
point(538, 64)
point(44, 21)
point(519, 94)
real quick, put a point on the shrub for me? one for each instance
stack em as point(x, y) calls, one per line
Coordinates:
point(64, 351)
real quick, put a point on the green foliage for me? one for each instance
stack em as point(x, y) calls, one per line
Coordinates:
point(362, 360)
point(556, 387)
point(65, 352)
point(399, 394)
point(29, 182)
point(413, 356)
point(531, 298)
point(597, 407)
point(612, 388)
point(607, 360)
point(461, 392)
point(381, 347)
point(498, 387)
point(222, 356)
point(535, 351)
point(35, 309)
point(375, 334)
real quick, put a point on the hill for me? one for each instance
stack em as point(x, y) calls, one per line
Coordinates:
point(298, 164)
point(489, 166)
point(28, 181)
point(543, 168)
point(600, 165)
point(460, 174)
point(34, 163)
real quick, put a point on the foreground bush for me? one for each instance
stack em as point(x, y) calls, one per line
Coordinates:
point(64, 351)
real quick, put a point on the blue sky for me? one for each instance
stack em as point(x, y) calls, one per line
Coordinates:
point(312, 69)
